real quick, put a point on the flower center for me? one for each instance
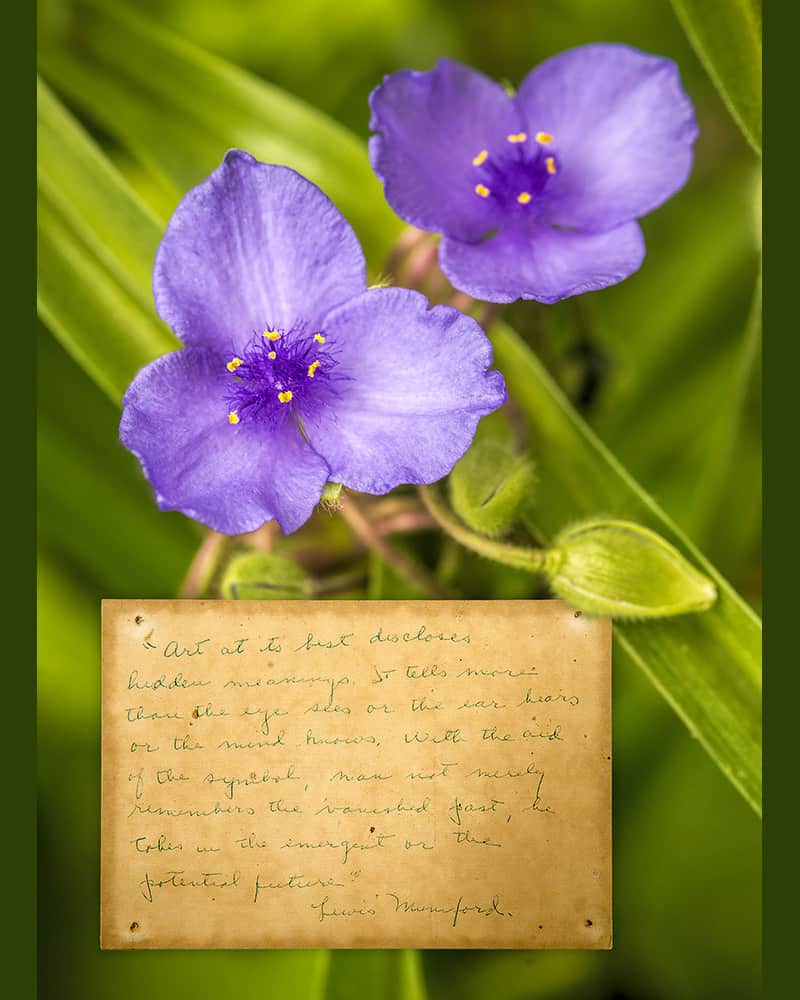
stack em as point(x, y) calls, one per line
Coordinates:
point(515, 176)
point(280, 373)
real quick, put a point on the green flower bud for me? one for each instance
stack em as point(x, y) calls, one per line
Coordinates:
point(490, 484)
point(624, 570)
point(260, 576)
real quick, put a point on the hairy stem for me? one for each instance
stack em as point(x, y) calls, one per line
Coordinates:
point(531, 560)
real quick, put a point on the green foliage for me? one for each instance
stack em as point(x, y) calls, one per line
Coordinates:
point(707, 665)
point(726, 35)
point(143, 84)
point(96, 244)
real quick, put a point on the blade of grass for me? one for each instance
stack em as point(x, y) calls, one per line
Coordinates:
point(726, 34)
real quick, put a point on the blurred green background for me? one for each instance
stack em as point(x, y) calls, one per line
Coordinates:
point(662, 367)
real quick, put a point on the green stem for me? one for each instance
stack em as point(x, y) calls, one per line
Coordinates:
point(541, 561)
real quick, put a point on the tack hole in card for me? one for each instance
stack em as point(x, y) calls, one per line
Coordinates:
point(350, 774)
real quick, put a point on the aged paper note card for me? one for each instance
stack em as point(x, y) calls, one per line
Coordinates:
point(353, 774)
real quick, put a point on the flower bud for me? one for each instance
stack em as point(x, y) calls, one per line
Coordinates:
point(490, 484)
point(624, 570)
point(260, 576)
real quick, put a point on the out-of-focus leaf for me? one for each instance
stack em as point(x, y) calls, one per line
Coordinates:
point(511, 975)
point(96, 511)
point(99, 204)
point(388, 975)
point(726, 34)
point(706, 665)
point(674, 336)
point(716, 882)
point(103, 327)
point(178, 109)
point(96, 241)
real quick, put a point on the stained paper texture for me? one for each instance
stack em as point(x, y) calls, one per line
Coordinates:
point(351, 774)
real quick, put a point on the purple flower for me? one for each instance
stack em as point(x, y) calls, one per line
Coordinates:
point(536, 194)
point(294, 373)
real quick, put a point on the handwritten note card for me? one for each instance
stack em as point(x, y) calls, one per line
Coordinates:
point(350, 774)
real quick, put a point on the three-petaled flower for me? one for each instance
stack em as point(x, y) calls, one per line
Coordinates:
point(536, 194)
point(293, 373)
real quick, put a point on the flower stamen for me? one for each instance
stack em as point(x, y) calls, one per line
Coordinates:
point(233, 417)
point(524, 197)
point(517, 137)
point(312, 368)
point(550, 163)
point(319, 338)
point(482, 190)
point(233, 364)
point(272, 355)
point(285, 397)
point(544, 138)
point(272, 334)
point(482, 157)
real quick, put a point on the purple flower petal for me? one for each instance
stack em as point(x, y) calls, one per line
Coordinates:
point(433, 125)
point(542, 263)
point(232, 478)
point(416, 386)
point(253, 246)
point(622, 129)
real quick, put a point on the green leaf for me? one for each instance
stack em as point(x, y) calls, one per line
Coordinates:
point(490, 484)
point(707, 666)
point(178, 109)
point(684, 359)
point(95, 508)
point(621, 569)
point(96, 241)
point(390, 975)
point(726, 34)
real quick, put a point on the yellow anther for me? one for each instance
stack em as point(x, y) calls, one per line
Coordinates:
point(482, 157)
point(319, 338)
point(272, 355)
point(272, 334)
point(233, 364)
point(523, 197)
point(312, 368)
point(550, 163)
point(285, 397)
point(517, 137)
point(233, 417)
point(482, 190)
point(544, 138)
